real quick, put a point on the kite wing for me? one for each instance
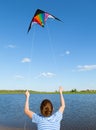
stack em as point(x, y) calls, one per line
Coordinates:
point(40, 17)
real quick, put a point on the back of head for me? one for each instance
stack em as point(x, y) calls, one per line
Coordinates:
point(46, 108)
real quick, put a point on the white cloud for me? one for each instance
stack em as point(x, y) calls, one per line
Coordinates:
point(19, 77)
point(47, 74)
point(65, 53)
point(86, 67)
point(24, 60)
point(11, 46)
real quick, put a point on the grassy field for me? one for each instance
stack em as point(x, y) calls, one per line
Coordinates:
point(74, 91)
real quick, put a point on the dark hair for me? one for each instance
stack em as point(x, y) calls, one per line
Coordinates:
point(46, 107)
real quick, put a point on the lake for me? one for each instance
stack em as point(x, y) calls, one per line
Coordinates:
point(79, 114)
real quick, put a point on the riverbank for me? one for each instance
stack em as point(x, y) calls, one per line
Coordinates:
point(74, 91)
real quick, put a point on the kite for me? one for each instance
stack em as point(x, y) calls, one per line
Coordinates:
point(40, 17)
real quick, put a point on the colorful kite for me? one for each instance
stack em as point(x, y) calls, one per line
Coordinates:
point(40, 17)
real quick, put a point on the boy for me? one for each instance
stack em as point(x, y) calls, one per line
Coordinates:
point(47, 120)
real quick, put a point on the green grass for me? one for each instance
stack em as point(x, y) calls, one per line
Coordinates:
point(56, 92)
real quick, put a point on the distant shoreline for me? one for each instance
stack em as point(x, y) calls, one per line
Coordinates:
point(74, 91)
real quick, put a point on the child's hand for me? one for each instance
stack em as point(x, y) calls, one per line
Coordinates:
point(60, 89)
point(27, 94)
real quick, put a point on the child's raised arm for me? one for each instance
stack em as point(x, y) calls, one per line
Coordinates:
point(27, 111)
point(62, 101)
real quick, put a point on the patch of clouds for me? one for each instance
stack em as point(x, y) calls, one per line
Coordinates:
point(86, 67)
point(65, 53)
point(46, 75)
point(19, 77)
point(11, 46)
point(26, 60)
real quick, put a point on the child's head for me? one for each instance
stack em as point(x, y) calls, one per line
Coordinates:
point(46, 108)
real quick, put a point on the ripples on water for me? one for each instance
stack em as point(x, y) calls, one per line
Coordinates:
point(80, 111)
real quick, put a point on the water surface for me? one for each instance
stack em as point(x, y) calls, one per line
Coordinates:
point(79, 114)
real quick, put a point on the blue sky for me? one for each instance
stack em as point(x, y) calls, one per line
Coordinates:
point(61, 53)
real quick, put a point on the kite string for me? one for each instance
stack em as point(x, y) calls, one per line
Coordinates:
point(25, 124)
point(31, 53)
point(51, 45)
point(29, 72)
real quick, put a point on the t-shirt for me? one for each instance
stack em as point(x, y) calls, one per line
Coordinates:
point(48, 123)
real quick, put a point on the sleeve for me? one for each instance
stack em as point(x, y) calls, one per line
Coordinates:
point(58, 116)
point(35, 118)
